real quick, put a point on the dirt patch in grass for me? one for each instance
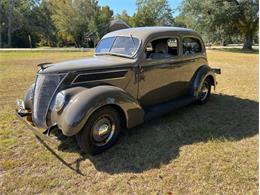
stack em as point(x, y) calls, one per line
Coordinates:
point(209, 149)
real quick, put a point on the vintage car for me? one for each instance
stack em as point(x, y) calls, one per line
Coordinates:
point(136, 74)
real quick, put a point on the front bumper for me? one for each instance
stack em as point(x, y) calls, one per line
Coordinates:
point(20, 108)
point(23, 114)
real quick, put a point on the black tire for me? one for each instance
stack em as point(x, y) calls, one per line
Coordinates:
point(205, 92)
point(88, 136)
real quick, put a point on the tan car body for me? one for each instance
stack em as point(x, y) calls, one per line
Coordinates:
point(139, 88)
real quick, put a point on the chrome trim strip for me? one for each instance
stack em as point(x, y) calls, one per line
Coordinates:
point(112, 71)
point(98, 80)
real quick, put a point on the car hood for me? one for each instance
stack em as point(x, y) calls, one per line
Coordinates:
point(93, 63)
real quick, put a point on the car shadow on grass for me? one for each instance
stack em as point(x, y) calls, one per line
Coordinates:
point(158, 142)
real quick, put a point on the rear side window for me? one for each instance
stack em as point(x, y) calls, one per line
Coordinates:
point(162, 48)
point(191, 46)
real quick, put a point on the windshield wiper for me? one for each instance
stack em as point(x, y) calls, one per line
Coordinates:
point(132, 39)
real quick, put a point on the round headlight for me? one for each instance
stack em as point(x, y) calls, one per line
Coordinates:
point(59, 101)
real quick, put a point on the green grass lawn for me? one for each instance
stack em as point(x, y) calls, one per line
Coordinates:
point(209, 149)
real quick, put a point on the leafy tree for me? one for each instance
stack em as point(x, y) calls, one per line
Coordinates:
point(221, 20)
point(21, 23)
point(2, 22)
point(99, 24)
point(67, 20)
point(43, 26)
point(153, 12)
point(25, 23)
point(11, 18)
point(183, 21)
point(126, 18)
point(247, 20)
point(37, 28)
point(78, 21)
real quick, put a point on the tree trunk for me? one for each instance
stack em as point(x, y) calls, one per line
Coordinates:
point(248, 41)
point(1, 22)
point(10, 18)
point(9, 40)
point(223, 43)
point(0, 36)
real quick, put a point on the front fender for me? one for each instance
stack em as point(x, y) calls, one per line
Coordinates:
point(86, 101)
point(200, 75)
point(28, 98)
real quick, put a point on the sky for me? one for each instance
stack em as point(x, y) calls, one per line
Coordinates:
point(129, 5)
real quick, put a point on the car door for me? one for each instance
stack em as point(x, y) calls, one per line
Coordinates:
point(162, 74)
point(194, 55)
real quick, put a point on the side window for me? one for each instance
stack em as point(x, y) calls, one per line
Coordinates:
point(162, 48)
point(191, 46)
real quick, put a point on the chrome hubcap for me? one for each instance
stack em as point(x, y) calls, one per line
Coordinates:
point(103, 130)
point(204, 92)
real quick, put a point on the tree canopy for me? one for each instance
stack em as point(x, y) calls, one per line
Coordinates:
point(52, 22)
point(223, 20)
point(80, 23)
point(149, 13)
point(153, 13)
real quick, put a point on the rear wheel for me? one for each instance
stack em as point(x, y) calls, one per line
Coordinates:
point(100, 132)
point(205, 91)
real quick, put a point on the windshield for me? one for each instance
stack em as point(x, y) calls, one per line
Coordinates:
point(124, 46)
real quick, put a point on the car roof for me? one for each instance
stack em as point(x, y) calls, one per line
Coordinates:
point(144, 32)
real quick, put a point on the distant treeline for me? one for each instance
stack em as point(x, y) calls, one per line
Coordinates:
point(81, 23)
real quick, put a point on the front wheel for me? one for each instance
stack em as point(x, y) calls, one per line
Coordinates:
point(205, 91)
point(100, 132)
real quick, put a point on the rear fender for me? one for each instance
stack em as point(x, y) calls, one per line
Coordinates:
point(86, 101)
point(201, 74)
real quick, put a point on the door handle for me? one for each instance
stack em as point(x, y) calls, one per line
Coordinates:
point(139, 74)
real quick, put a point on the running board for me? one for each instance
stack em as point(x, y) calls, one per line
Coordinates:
point(163, 108)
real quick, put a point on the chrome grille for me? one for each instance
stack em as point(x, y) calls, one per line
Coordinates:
point(45, 87)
